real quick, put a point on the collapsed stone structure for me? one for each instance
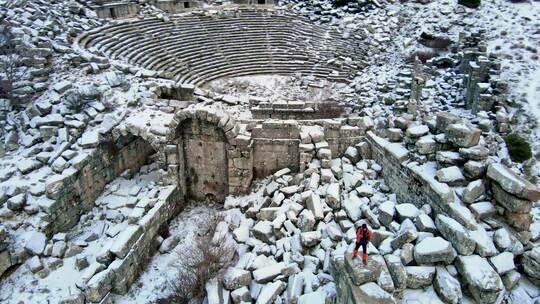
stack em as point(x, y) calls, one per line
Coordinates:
point(484, 88)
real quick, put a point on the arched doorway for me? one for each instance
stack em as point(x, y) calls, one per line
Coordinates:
point(204, 148)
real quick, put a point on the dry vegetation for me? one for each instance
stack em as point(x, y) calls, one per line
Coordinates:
point(211, 253)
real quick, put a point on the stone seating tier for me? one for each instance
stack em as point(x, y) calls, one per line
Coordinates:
point(197, 49)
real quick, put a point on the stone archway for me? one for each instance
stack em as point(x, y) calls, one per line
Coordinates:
point(203, 146)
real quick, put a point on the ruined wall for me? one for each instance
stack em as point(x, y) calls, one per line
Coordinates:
point(245, 149)
point(205, 157)
point(136, 241)
point(275, 146)
point(483, 86)
point(298, 110)
point(416, 184)
point(252, 2)
point(410, 182)
point(71, 194)
point(174, 6)
point(117, 10)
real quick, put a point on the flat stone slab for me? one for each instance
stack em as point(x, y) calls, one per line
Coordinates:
point(433, 250)
point(482, 280)
point(362, 273)
point(512, 183)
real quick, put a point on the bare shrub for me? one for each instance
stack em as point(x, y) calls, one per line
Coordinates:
point(210, 255)
point(422, 55)
point(330, 110)
point(74, 101)
point(12, 64)
point(436, 42)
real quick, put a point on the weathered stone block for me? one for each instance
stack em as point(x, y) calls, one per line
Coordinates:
point(462, 135)
point(481, 279)
point(512, 183)
point(125, 240)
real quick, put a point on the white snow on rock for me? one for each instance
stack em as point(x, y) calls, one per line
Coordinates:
point(35, 242)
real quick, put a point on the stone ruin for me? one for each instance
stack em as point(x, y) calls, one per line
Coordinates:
point(448, 216)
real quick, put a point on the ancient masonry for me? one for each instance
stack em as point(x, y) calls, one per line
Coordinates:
point(190, 145)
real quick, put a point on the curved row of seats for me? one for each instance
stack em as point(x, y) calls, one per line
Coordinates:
point(197, 49)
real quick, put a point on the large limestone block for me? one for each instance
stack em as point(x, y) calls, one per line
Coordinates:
point(125, 240)
point(353, 206)
point(235, 278)
point(424, 223)
point(481, 279)
point(397, 271)
point(406, 210)
point(417, 131)
point(333, 196)
point(531, 263)
point(419, 276)
point(463, 135)
point(512, 183)
point(270, 292)
point(447, 286)
point(456, 234)
point(295, 287)
point(241, 295)
point(503, 262)
point(35, 243)
point(434, 250)
point(444, 119)
point(385, 280)
point(451, 176)
point(426, 145)
point(5, 261)
point(520, 221)
point(361, 273)
point(352, 154)
point(473, 191)
point(268, 273)
point(386, 212)
point(99, 285)
point(371, 293)
point(317, 297)
point(311, 238)
point(215, 293)
point(263, 231)
point(313, 203)
point(404, 237)
point(509, 201)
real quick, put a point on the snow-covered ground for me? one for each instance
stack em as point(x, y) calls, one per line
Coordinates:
point(155, 282)
point(512, 32)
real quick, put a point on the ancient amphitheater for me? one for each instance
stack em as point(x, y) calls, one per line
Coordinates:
point(133, 128)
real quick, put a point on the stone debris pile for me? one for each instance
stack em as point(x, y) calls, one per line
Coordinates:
point(301, 231)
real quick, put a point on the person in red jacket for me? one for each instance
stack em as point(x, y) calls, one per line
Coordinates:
point(363, 236)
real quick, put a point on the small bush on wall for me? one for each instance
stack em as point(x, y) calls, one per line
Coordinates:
point(470, 3)
point(518, 148)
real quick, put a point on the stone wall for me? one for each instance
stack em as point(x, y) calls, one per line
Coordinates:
point(252, 148)
point(73, 193)
point(410, 182)
point(174, 6)
point(117, 10)
point(252, 2)
point(132, 249)
point(416, 184)
point(275, 146)
point(283, 110)
point(483, 86)
point(206, 161)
